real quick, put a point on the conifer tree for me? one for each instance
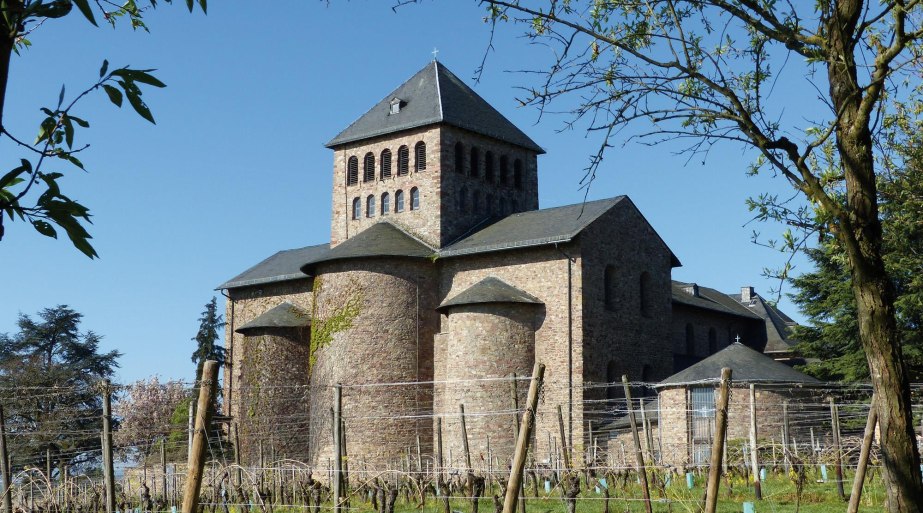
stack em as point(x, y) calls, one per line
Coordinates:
point(206, 339)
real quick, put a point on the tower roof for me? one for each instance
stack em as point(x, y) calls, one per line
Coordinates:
point(434, 95)
point(490, 290)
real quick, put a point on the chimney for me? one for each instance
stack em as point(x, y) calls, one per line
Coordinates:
point(692, 289)
point(747, 295)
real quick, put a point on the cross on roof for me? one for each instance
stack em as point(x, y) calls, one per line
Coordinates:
point(435, 52)
point(737, 339)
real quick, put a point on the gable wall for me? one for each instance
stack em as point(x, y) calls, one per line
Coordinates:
point(619, 335)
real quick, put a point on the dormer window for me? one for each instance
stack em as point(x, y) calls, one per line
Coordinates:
point(395, 105)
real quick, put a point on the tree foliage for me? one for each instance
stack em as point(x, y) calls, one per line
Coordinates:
point(825, 295)
point(706, 72)
point(50, 373)
point(145, 411)
point(30, 192)
point(207, 337)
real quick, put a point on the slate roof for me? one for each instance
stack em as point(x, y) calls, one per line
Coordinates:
point(490, 290)
point(710, 299)
point(778, 325)
point(434, 95)
point(284, 265)
point(382, 239)
point(749, 366)
point(533, 228)
point(285, 315)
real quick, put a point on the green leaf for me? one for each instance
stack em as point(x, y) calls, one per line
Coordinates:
point(139, 75)
point(134, 98)
point(84, 6)
point(61, 96)
point(56, 9)
point(45, 229)
point(189, 4)
point(73, 160)
point(81, 122)
point(104, 68)
point(115, 96)
point(10, 178)
point(204, 5)
point(68, 131)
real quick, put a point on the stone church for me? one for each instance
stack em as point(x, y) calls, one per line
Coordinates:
point(442, 273)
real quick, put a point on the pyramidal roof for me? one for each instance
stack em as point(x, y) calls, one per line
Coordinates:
point(285, 315)
point(382, 239)
point(434, 95)
point(749, 366)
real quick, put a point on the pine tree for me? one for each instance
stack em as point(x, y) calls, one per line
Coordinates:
point(207, 347)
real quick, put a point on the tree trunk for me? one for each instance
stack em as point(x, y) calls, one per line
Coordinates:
point(859, 230)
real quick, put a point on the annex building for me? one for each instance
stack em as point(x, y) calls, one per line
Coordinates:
point(442, 273)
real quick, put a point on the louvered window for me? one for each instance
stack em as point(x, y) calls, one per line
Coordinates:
point(489, 167)
point(368, 167)
point(419, 152)
point(414, 199)
point(385, 164)
point(403, 160)
point(352, 171)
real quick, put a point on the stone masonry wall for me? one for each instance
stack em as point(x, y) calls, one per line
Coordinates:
point(727, 328)
point(456, 221)
point(620, 338)
point(542, 272)
point(373, 325)
point(244, 305)
point(424, 223)
point(481, 342)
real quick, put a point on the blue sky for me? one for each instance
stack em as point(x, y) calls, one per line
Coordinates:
point(235, 168)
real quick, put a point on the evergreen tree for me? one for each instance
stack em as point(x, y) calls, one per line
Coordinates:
point(207, 347)
point(50, 373)
point(826, 297)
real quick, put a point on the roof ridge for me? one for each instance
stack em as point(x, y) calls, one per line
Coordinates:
point(407, 233)
point(438, 90)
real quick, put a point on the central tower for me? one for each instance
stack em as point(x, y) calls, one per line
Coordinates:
point(434, 158)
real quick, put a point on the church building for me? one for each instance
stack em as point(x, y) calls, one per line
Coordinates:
point(442, 274)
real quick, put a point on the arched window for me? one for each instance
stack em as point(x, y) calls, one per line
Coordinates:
point(368, 167)
point(490, 204)
point(476, 202)
point(419, 152)
point(517, 174)
point(357, 208)
point(459, 158)
point(475, 163)
point(504, 207)
point(370, 206)
point(414, 199)
point(403, 160)
point(646, 294)
point(646, 372)
point(612, 381)
point(690, 340)
point(489, 167)
point(385, 164)
point(712, 341)
point(609, 284)
point(463, 200)
point(352, 171)
point(504, 170)
point(399, 201)
point(385, 203)
point(515, 206)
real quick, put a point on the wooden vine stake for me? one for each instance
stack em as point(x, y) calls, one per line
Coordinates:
point(717, 448)
point(863, 458)
point(522, 440)
point(5, 467)
point(196, 464)
point(108, 468)
point(636, 438)
point(754, 448)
